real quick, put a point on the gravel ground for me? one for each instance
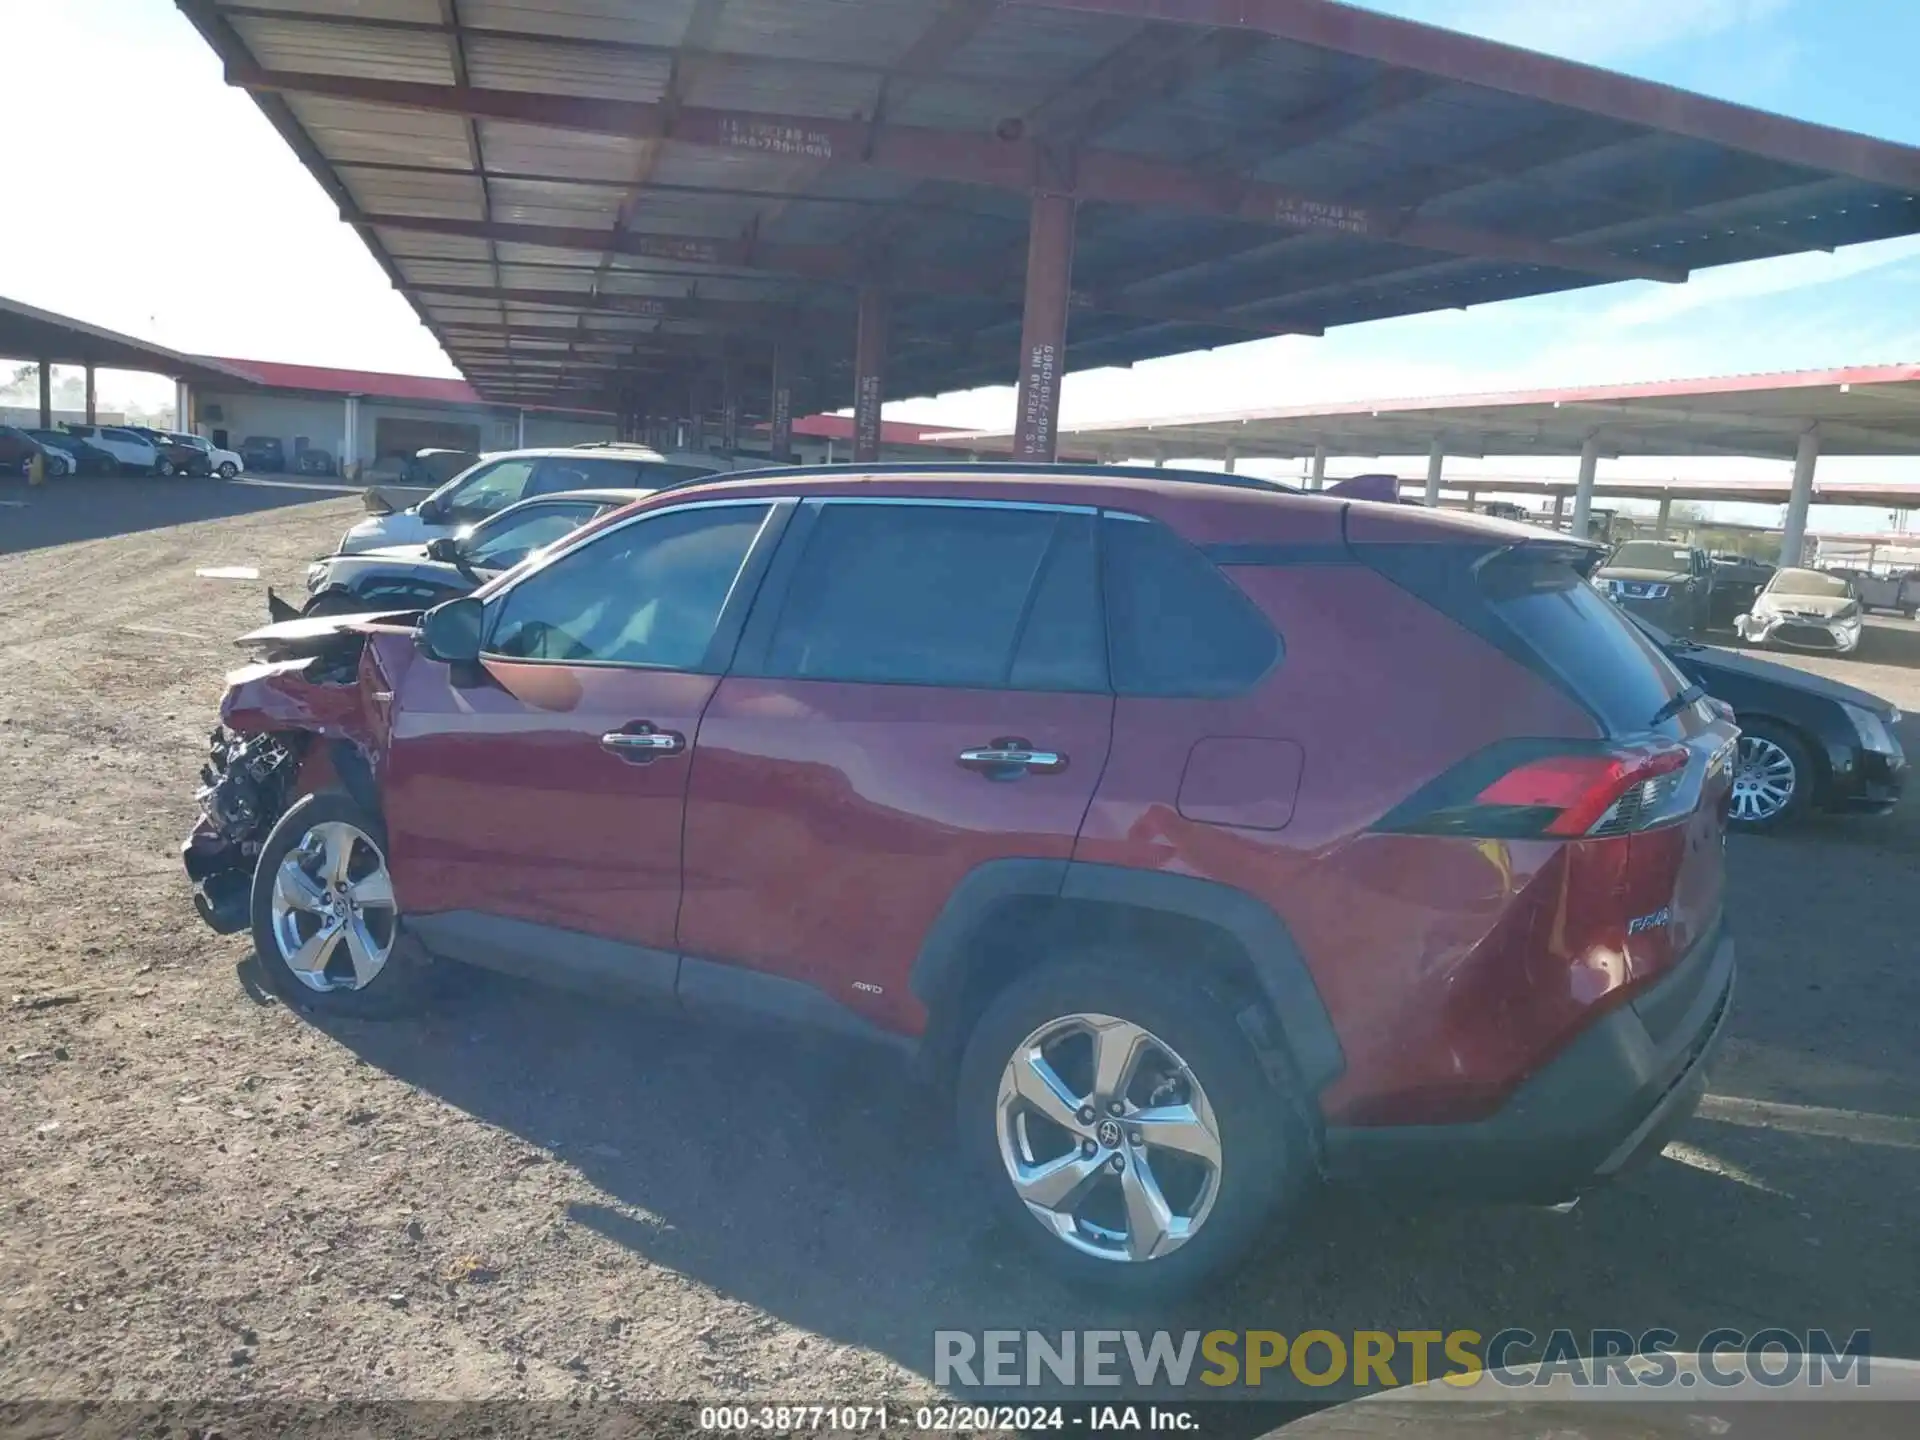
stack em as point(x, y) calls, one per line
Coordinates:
point(209, 1196)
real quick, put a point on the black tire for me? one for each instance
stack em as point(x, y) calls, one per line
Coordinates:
point(227, 470)
point(1806, 780)
point(163, 467)
point(404, 985)
point(1265, 1152)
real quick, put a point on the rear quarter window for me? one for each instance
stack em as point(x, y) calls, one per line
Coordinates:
point(1533, 603)
point(1176, 624)
point(1615, 671)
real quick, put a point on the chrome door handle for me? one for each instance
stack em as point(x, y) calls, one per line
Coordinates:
point(639, 746)
point(1011, 756)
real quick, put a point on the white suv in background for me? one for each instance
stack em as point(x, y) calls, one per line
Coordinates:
point(133, 451)
point(507, 478)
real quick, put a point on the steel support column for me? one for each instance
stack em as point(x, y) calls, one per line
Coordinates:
point(1436, 462)
point(350, 442)
point(1583, 487)
point(520, 431)
point(729, 409)
point(1232, 462)
point(1318, 479)
point(1800, 498)
point(1559, 509)
point(780, 419)
point(1043, 328)
point(1666, 514)
point(46, 394)
point(182, 406)
point(869, 374)
point(92, 402)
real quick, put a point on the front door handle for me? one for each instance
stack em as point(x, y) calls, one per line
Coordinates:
point(642, 743)
point(1009, 757)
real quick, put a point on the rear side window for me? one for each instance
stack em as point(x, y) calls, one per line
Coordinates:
point(590, 473)
point(983, 598)
point(651, 474)
point(1178, 626)
point(1533, 603)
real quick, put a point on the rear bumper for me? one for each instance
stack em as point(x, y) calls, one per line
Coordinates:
point(1613, 1097)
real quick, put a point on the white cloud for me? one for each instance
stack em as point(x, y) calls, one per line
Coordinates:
point(1652, 305)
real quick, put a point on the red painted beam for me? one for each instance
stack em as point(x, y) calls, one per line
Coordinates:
point(869, 374)
point(810, 262)
point(965, 158)
point(652, 307)
point(780, 425)
point(1469, 60)
point(1043, 331)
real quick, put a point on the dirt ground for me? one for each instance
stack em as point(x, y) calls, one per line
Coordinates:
point(204, 1194)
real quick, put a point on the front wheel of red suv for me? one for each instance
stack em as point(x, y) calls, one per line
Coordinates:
point(1123, 1126)
point(326, 928)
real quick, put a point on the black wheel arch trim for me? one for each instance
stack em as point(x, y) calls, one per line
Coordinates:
point(1312, 1046)
point(356, 774)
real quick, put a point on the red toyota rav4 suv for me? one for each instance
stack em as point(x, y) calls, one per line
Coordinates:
point(1210, 839)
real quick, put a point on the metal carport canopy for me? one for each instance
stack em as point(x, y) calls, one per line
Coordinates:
point(1866, 410)
point(588, 200)
point(28, 333)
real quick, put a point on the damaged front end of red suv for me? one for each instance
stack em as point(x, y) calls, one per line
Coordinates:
point(310, 711)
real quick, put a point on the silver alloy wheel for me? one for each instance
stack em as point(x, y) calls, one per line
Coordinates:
point(1108, 1137)
point(333, 911)
point(1763, 780)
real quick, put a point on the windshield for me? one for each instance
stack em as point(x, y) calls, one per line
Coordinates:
point(1808, 582)
point(1647, 555)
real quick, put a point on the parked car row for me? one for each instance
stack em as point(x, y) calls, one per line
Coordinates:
point(115, 449)
point(1807, 743)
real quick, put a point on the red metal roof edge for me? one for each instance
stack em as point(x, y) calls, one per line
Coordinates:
point(1513, 399)
point(375, 384)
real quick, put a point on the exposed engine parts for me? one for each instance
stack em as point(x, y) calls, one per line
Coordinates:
point(245, 786)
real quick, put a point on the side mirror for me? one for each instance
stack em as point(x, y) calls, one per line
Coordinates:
point(450, 633)
point(431, 511)
point(445, 549)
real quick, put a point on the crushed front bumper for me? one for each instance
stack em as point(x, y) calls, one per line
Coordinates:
point(1839, 637)
point(1614, 1097)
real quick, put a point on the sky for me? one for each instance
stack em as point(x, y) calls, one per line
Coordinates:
point(216, 240)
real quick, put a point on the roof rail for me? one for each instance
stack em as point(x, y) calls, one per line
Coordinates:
point(1075, 469)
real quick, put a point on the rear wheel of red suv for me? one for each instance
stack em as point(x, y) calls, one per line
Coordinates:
point(1123, 1126)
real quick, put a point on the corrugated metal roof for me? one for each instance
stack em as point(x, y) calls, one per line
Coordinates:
point(820, 144)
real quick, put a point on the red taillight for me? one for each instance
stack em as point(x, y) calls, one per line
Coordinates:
point(1562, 789)
point(1582, 788)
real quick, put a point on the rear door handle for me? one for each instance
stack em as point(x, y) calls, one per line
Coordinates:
point(642, 743)
point(1010, 756)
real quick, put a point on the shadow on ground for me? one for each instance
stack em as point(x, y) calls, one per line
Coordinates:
point(816, 1183)
point(63, 511)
